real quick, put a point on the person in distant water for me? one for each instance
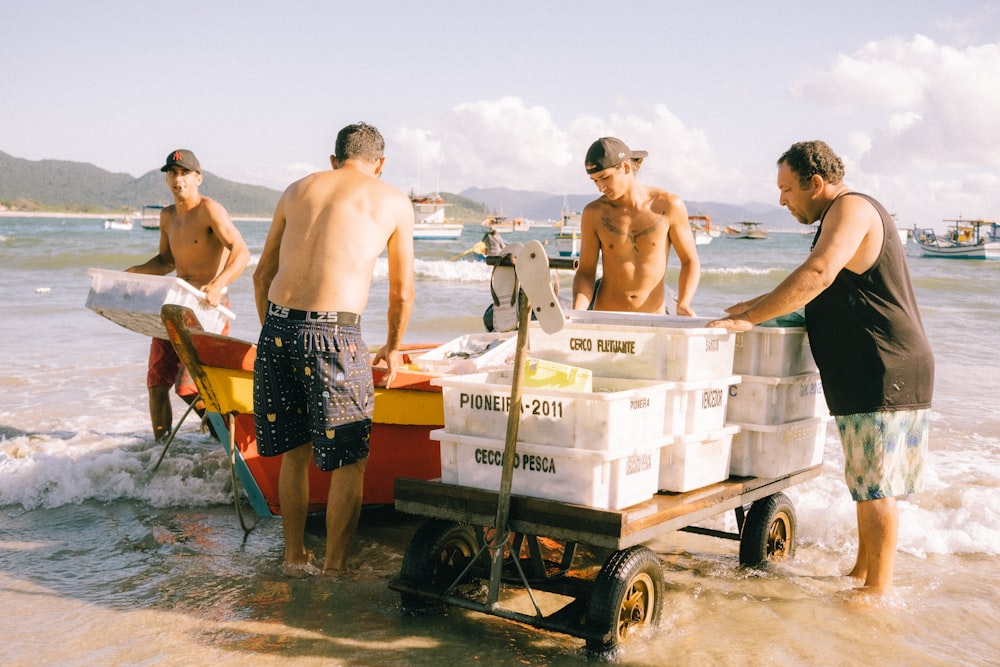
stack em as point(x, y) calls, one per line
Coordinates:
point(494, 242)
point(200, 243)
point(313, 388)
point(631, 228)
point(868, 341)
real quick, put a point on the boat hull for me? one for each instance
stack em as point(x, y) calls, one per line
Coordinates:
point(960, 251)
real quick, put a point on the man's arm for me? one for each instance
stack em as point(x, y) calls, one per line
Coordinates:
point(163, 262)
point(682, 240)
point(267, 266)
point(843, 233)
point(237, 257)
point(590, 250)
point(401, 290)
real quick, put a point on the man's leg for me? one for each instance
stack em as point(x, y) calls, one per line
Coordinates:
point(860, 569)
point(160, 411)
point(293, 496)
point(878, 522)
point(343, 509)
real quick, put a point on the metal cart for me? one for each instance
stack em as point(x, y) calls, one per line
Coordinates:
point(477, 546)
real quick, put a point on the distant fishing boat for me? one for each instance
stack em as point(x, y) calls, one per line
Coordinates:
point(701, 226)
point(123, 223)
point(964, 239)
point(151, 216)
point(746, 230)
point(568, 235)
point(429, 223)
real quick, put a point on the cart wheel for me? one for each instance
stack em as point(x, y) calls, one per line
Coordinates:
point(768, 532)
point(628, 593)
point(438, 553)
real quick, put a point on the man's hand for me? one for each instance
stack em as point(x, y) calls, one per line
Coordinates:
point(393, 360)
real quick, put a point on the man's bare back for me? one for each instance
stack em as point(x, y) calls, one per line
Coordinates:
point(339, 220)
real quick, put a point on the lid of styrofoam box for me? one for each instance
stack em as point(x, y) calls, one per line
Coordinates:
point(621, 319)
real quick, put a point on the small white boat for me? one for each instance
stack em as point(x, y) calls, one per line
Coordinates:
point(123, 224)
point(964, 239)
point(746, 230)
point(701, 226)
point(429, 221)
point(568, 235)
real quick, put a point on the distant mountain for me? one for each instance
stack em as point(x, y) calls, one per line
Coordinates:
point(540, 206)
point(56, 185)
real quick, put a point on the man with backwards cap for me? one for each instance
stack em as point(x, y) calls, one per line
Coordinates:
point(200, 243)
point(631, 227)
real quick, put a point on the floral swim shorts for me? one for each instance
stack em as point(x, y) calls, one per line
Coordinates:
point(884, 452)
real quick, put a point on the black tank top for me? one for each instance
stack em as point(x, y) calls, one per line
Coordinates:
point(866, 334)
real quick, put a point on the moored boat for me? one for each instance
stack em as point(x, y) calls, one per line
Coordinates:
point(150, 218)
point(964, 239)
point(123, 223)
point(429, 221)
point(701, 226)
point(746, 230)
point(568, 235)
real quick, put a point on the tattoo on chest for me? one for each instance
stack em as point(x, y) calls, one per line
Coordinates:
point(633, 236)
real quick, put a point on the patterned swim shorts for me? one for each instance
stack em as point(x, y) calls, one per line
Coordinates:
point(313, 383)
point(884, 452)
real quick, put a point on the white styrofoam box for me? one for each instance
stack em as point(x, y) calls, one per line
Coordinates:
point(618, 413)
point(470, 353)
point(696, 460)
point(638, 346)
point(775, 351)
point(698, 407)
point(776, 400)
point(762, 450)
point(134, 300)
point(603, 479)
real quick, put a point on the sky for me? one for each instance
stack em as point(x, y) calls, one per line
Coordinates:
point(511, 93)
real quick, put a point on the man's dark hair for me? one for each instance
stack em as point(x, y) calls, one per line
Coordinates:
point(810, 158)
point(360, 141)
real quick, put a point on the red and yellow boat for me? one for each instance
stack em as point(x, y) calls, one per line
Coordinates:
point(400, 446)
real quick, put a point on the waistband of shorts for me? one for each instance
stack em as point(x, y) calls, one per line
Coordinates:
point(337, 317)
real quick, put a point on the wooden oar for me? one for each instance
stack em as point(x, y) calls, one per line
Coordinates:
point(479, 247)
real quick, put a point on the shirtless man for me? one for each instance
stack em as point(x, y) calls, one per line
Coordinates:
point(200, 242)
point(313, 390)
point(865, 331)
point(631, 227)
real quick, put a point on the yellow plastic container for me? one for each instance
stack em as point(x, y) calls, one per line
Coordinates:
point(540, 374)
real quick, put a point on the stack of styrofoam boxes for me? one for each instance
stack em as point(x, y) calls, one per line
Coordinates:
point(662, 348)
point(599, 448)
point(779, 405)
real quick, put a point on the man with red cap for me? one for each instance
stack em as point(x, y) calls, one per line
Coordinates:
point(200, 243)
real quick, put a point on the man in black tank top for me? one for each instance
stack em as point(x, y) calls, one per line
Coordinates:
point(868, 341)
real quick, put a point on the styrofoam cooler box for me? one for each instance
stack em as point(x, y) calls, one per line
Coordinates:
point(603, 479)
point(134, 300)
point(637, 346)
point(698, 407)
point(761, 450)
point(618, 413)
point(470, 353)
point(696, 460)
point(775, 351)
point(776, 400)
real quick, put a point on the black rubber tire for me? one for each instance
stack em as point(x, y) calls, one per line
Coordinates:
point(628, 593)
point(438, 552)
point(769, 532)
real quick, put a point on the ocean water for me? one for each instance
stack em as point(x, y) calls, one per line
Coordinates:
point(104, 563)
